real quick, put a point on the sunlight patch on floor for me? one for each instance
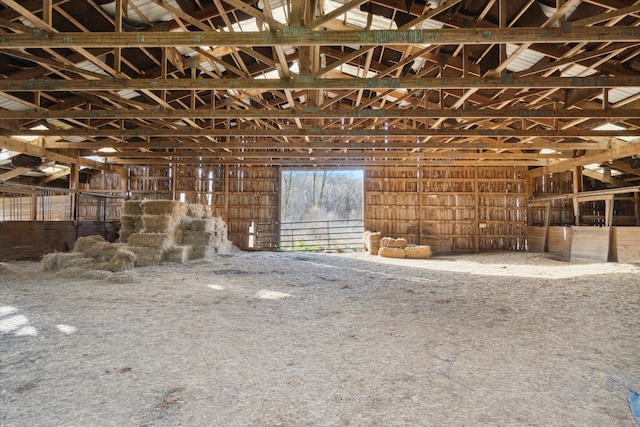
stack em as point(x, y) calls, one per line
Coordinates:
point(267, 294)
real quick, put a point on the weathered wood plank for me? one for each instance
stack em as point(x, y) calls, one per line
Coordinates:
point(625, 245)
point(559, 242)
point(590, 244)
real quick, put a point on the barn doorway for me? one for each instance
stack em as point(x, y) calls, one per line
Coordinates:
point(320, 210)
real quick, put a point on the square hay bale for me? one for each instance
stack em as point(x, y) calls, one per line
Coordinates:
point(133, 207)
point(198, 211)
point(177, 254)
point(418, 252)
point(150, 240)
point(158, 223)
point(390, 242)
point(185, 223)
point(191, 237)
point(372, 241)
point(203, 224)
point(163, 207)
point(124, 234)
point(133, 222)
point(392, 253)
point(146, 256)
point(200, 252)
point(122, 259)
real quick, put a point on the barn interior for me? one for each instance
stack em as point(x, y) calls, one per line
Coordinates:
point(480, 128)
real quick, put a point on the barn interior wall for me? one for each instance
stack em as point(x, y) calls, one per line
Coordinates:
point(449, 208)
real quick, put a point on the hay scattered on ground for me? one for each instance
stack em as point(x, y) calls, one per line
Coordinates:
point(418, 252)
point(486, 339)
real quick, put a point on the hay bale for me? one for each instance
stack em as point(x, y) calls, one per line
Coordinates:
point(60, 260)
point(372, 241)
point(392, 253)
point(121, 260)
point(150, 240)
point(390, 242)
point(158, 223)
point(133, 222)
point(418, 252)
point(196, 237)
point(200, 252)
point(124, 234)
point(163, 207)
point(133, 207)
point(177, 254)
point(90, 245)
point(198, 211)
point(146, 256)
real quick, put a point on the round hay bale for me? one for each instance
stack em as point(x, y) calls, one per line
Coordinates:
point(392, 253)
point(418, 252)
point(133, 207)
point(390, 242)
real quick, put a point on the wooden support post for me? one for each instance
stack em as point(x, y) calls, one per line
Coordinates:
point(420, 205)
point(476, 214)
point(74, 182)
point(577, 188)
point(636, 207)
point(225, 212)
point(174, 170)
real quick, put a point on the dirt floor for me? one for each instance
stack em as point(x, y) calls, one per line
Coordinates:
point(297, 339)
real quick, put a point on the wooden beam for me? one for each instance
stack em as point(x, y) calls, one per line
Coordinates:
point(298, 36)
point(315, 113)
point(331, 132)
point(13, 173)
point(618, 152)
point(306, 82)
point(35, 150)
point(269, 144)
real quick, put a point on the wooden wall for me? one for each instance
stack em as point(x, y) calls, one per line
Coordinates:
point(462, 209)
point(240, 195)
point(32, 239)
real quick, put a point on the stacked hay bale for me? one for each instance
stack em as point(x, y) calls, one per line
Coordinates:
point(131, 221)
point(159, 220)
point(398, 248)
point(206, 237)
point(176, 232)
point(91, 253)
point(372, 241)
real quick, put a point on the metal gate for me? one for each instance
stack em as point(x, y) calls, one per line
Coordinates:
point(337, 235)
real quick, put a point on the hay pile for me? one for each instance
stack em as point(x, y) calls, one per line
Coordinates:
point(91, 253)
point(172, 231)
point(372, 241)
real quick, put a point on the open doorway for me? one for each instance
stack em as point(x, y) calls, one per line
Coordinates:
point(321, 210)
